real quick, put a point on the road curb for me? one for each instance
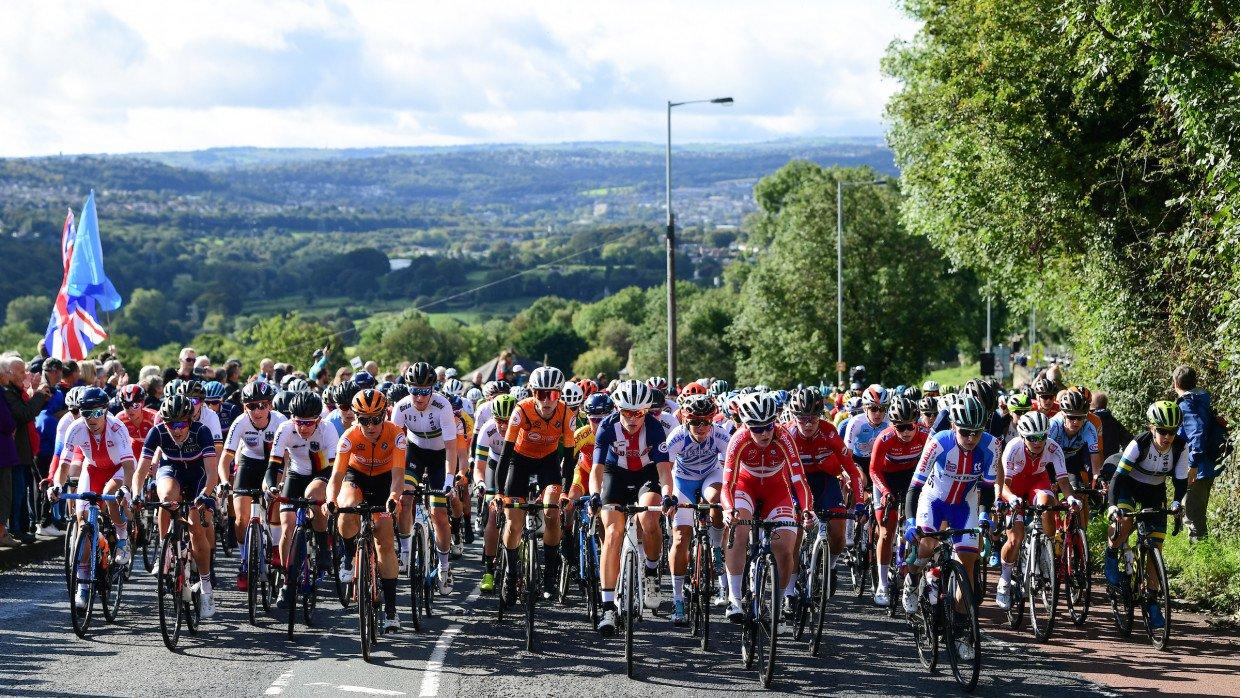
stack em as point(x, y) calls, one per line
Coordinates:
point(38, 551)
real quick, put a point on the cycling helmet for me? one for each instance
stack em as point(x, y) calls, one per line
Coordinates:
point(281, 401)
point(92, 399)
point(453, 386)
point(899, 390)
point(502, 406)
point(396, 392)
point(1044, 386)
point(1033, 424)
point(805, 403)
point(192, 389)
point(420, 375)
point(502, 387)
point(931, 387)
point(258, 391)
point(951, 389)
point(633, 395)
point(983, 391)
point(902, 411)
point(599, 405)
point(456, 402)
point(699, 407)
point(694, 388)
point(875, 396)
point(286, 379)
point(588, 388)
point(173, 387)
point(305, 405)
point(370, 403)
point(520, 392)
point(912, 392)
point(969, 413)
point(214, 390)
point(719, 387)
point(176, 408)
point(760, 388)
point(928, 405)
point(489, 390)
point(781, 398)
point(853, 405)
point(1019, 403)
point(757, 409)
point(363, 379)
point(1073, 404)
point(297, 385)
point(657, 398)
point(1164, 414)
point(546, 378)
point(130, 394)
point(473, 395)
point(345, 394)
point(573, 395)
point(657, 383)
point(1089, 397)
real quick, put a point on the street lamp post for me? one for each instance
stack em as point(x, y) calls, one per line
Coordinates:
point(671, 237)
point(839, 271)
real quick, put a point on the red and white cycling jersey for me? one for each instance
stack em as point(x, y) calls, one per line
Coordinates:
point(761, 478)
point(824, 452)
point(102, 454)
point(1026, 473)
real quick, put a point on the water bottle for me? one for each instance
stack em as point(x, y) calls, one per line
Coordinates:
point(105, 558)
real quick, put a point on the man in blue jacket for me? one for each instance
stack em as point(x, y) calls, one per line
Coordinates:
point(1197, 430)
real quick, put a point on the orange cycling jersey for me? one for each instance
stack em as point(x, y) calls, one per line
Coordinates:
point(536, 437)
point(356, 452)
point(584, 451)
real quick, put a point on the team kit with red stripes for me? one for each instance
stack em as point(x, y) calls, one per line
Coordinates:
point(750, 501)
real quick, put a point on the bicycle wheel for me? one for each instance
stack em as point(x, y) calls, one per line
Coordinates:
point(820, 591)
point(501, 582)
point(112, 586)
point(430, 565)
point(271, 568)
point(925, 629)
point(69, 552)
point(532, 587)
point(335, 556)
point(861, 560)
point(417, 578)
point(168, 591)
point(292, 576)
point(365, 599)
point(1016, 588)
point(191, 599)
point(770, 599)
point(150, 540)
point(706, 584)
point(1162, 598)
point(632, 607)
point(589, 578)
point(964, 647)
point(1078, 576)
point(310, 578)
point(1123, 597)
point(253, 564)
point(85, 555)
point(1042, 588)
point(981, 570)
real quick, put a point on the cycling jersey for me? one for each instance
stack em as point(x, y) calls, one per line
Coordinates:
point(249, 440)
point(305, 457)
point(184, 462)
point(488, 447)
point(667, 419)
point(859, 436)
point(483, 415)
point(431, 428)
point(464, 430)
point(892, 458)
point(1086, 438)
point(1026, 473)
point(535, 437)
point(824, 458)
point(103, 455)
point(693, 460)
point(950, 474)
point(358, 453)
point(138, 427)
point(1154, 468)
point(761, 479)
point(614, 447)
point(583, 456)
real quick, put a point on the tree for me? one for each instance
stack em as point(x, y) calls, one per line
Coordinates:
point(408, 337)
point(595, 361)
point(559, 344)
point(288, 337)
point(32, 312)
point(150, 317)
point(627, 304)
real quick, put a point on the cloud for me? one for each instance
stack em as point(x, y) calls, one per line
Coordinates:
point(89, 76)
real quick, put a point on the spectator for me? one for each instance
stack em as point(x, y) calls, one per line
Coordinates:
point(232, 381)
point(372, 368)
point(24, 407)
point(267, 369)
point(88, 370)
point(50, 523)
point(343, 375)
point(71, 375)
point(154, 387)
point(1196, 430)
point(202, 369)
point(1114, 436)
point(8, 463)
point(185, 366)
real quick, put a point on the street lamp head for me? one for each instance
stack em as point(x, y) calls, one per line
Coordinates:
point(726, 101)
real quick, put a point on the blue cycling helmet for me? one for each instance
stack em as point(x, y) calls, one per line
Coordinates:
point(214, 390)
point(599, 405)
point(363, 380)
point(781, 398)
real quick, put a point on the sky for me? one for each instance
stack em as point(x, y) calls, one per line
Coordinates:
point(110, 77)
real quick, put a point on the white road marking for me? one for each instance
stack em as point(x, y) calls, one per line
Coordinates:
point(277, 687)
point(370, 691)
point(434, 666)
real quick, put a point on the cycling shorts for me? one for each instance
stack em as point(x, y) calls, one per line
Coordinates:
point(897, 484)
point(933, 513)
point(95, 479)
point(191, 477)
point(295, 486)
point(624, 486)
point(828, 495)
point(376, 489)
point(523, 469)
point(1131, 495)
point(250, 473)
point(688, 491)
point(769, 498)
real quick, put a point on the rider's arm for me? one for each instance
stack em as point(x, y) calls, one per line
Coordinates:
point(878, 461)
point(398, 469)
point(731, 469)
point(925, 464)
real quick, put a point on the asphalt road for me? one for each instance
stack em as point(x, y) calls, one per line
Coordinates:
point(463, 651)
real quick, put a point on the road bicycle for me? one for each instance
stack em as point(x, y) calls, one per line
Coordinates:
point(946, 610)
point(630, 594)
point(258, 562)
point(1136, 587)
point(365, 584)
point(816, 580)
point(178, 592)
point(302, 571)
point(529, 564)
point(1035, 578)
point(762, 596)
point(94, 562)
point(1075, 561)
point(703, 577)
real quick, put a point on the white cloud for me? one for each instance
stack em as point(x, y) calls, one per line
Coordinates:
point(89, 76)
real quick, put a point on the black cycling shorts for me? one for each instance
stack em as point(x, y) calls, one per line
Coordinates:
point(523, 469)
point(295, 486)
point(624, 486)
point(426, 465)
point(250, 473)
point(376, 489)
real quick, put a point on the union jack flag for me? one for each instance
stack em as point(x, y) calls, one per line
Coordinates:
point(74, 328)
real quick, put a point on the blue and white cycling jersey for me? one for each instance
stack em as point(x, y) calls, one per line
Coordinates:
point(1086, 438)
point(859, 436)
point(633, 452)
point(692, 460)
point(950, 474)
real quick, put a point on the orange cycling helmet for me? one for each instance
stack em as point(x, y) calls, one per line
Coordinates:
point(370, 403)
point(588, 387)
point(694, 388)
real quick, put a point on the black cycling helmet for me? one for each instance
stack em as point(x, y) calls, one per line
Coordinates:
point(281, 401)
point(719, 387)
point(192, 389)
point(396, 392)
point(421, 375)
point(1045, 386)
point(928, 405)
point(699, 407)
point(805, 402)
point(983, 391)
point(92, 399)
point(176, 408)
point(173, 387)
point(902, 411)
point(363, 379)
point(1073, 403)
point(345, 393)
point(912, 392)
point(305, 405)
point(258, 391)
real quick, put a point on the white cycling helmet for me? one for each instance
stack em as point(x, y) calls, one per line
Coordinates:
point(520, 392)
point(757, 409)
point(453, 386)
point(632, 395)
point(876, 396)
point(473, 395)
point(930, 387)
point(546, 378)
point(1033, 423)
point(573, 395)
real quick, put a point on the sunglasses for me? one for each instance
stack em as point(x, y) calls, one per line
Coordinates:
point(94, 413)
point(370, 421)
point(874, 409)
point(698, 423)
point(195, 401)
point(257, 405)
point(1035, 438)
point(970, 433)
point(545, 394)
point(1165, 432)
point(1073, 418)
point(904, 427)
point(306, 422)
point(421, 392)
point(762, 429)
point(214, 402)
point(133, 405)
point(188, 360)
point(178, 425)
point(632, 413)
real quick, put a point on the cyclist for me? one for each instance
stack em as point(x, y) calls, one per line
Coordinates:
point(98, 444)
point(1071, 429)
point(1018, 404)
point(310, 445)
point(825, 459)
point(248, 447)
point(342, 417)
point(892, 463)
point(761, 470)
point(1140, 482)
point(1045, 390)
point(488, 446)
point(135, 415)
point(597, 408)
point(696, 449)
point(213, 392)
point(630, 466)
point(945, 490)
point(664, 410)
point(185, 448)
point(368, 471)
point(928, 411)
point(538, 445)
point(462, 528)
point(573, 397)
point(431, 459)
point(930, 389)
point(1029, 464)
